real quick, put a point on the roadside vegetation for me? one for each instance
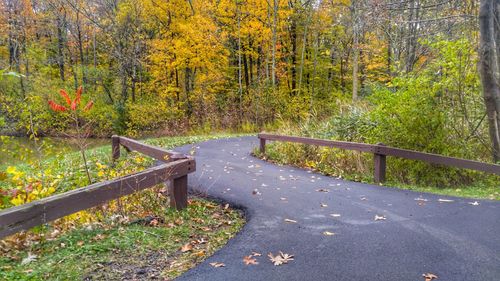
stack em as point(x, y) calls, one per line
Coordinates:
point(135, 237)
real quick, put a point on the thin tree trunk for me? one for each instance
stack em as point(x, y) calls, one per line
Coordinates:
point(60, 46)
point(355, 58)
point(80, 48)
point(487, 65)
point(275, 39)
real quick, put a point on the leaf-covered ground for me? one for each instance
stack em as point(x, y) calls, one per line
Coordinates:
point(140, 249)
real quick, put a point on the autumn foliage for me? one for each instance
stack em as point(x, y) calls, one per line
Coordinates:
point(72, 104)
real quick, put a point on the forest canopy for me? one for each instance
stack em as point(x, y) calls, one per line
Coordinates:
point(403, 72)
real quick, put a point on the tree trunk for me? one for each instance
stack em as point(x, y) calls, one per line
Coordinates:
point(293, 39)
point(274, 41)
point(355, 56)
point(60, 46)
point(80, 48)
point(487, 69)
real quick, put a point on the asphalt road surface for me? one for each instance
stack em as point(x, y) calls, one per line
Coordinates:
point(455, 238)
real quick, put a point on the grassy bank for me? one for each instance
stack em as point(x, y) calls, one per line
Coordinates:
point(136, 237)
point(356, 166)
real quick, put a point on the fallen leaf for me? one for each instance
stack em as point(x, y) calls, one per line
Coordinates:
point(256, 192)
point(248, 260)
point(378, 218)
point(187, 247)
point(200, 254)
point(80, 243)
point(226, 206)
point(445, 200)
point(217, 264)
point(153, 222)
point(290, 221)
point(429, 276)
point(328, 233)
point(31, 257)
point(475, 203)
point(255, 254)
point(322, 190)
point(280, 259)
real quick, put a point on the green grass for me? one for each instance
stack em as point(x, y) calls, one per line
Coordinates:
point(487, 187)
point(477, 191)
point(103, 249)
point(122, 251)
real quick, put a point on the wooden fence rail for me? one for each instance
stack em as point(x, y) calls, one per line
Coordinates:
point(38, 212)
point(380, 151)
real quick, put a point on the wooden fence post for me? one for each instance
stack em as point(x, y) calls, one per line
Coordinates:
point(262, 145)
point(178, 193)
point(115, 147)
point(380, 166)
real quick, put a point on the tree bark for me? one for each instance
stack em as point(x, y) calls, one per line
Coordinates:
point(355, 56)
point(61, 23)
point(487, 70)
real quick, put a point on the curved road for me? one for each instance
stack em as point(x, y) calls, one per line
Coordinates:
point(453, 240)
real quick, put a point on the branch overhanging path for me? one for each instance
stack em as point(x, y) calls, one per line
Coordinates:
point(336, 229)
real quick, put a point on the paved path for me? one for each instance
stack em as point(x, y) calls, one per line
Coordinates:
point(454, 240)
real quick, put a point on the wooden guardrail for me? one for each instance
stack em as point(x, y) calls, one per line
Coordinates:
point(380, 151)
point(38, 212)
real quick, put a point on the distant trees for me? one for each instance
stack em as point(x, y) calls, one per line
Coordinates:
point(225, 63)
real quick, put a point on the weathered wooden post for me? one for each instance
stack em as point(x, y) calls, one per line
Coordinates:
point(115, 147)
point(178, 193)
point(379, 165)
point(262, 145)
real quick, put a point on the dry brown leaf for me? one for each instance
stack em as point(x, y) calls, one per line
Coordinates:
point(429, 276)
point(322, 190)
point(248, 260)
point(99, 237)
point(226, 206)
point(290, 221)
point(80, 243)
point(186, 247)
point(217, 264)
point(153, 222)
point(280, 259)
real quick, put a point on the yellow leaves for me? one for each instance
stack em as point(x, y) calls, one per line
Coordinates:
point(15, 174)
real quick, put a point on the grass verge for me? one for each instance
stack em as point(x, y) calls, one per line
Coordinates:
point(134, 238)
point(162, 247)
point(355, 167)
